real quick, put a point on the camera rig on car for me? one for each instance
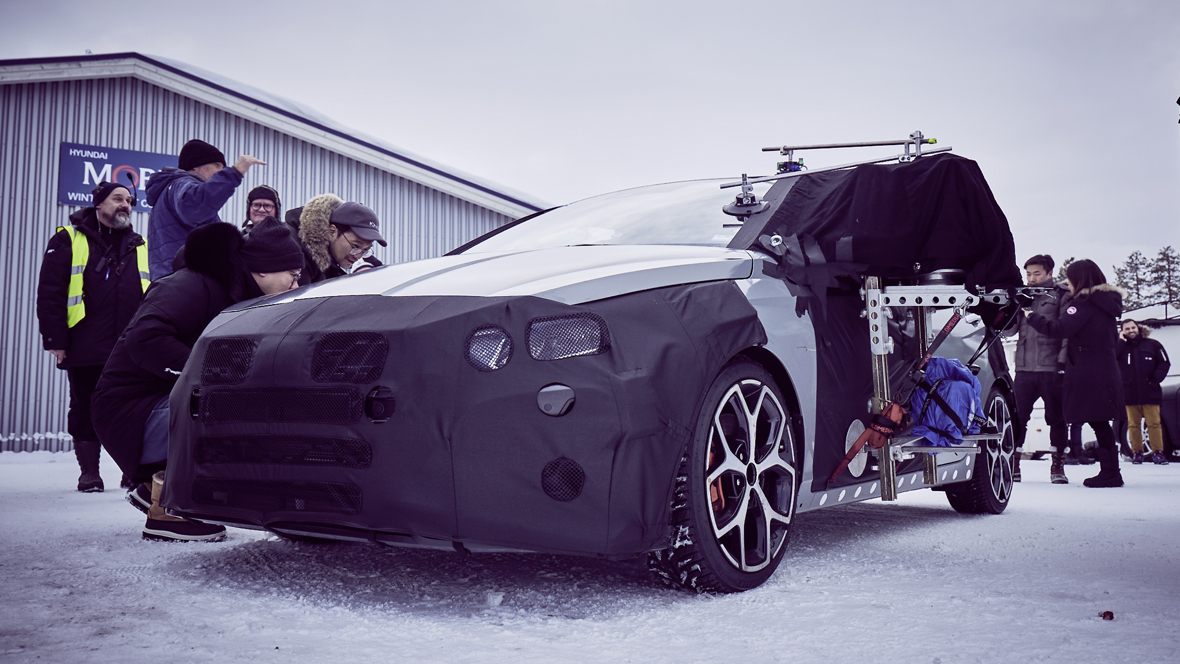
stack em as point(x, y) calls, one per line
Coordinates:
point(939, 292)
point(943, 289)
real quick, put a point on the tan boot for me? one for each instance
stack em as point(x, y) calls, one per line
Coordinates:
point(164, 527)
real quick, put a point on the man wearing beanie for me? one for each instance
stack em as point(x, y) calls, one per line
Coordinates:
point(131, 402)
point(93, 276)
point(261, 202)
point(337, 237)
point(187, 197)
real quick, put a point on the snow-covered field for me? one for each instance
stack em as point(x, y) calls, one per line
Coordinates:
point(910, 581)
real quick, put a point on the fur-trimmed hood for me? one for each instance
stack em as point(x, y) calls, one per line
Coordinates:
point(1107, 297)
point(313, 227)
point(1144, 331)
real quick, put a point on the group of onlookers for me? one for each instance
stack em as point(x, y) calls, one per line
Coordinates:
point(121, 316)
point(1087, 367)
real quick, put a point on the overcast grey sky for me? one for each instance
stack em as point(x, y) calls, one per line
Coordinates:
point(1068, 106)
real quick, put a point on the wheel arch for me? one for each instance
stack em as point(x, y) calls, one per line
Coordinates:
point(1004, 384)
point(768, 361)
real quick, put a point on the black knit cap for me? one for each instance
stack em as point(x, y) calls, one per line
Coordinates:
point(264, 193)
point(272, 247)
point(104, 190)
point(198, 153)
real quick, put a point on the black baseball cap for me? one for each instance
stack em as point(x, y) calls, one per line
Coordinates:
point(360, 220)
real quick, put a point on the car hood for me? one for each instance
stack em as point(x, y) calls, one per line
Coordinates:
point(570, 275)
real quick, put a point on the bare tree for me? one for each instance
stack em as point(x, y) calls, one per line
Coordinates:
point(1165, 275)
point(1061, 270)
point(1135, 277)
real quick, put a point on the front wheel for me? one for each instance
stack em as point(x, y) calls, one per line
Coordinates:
point(990, 486)
point(735, 491)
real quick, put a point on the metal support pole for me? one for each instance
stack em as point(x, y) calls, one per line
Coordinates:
point(880, 346)
point(922, 334)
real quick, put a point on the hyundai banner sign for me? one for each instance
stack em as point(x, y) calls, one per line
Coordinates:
point(82, 167)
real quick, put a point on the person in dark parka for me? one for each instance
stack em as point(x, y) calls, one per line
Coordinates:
point(92, 279)
point(337, 237)
point(130, 404)
point(1145, 365)
point(1040, 366)
point(1093, 385)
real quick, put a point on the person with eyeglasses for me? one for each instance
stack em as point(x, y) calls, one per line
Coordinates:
point(261, 202)
point(337, 237)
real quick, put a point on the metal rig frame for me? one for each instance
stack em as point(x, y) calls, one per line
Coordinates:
point(925, 299)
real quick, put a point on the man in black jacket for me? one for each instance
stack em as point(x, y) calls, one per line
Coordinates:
point(92, 280)
point(1144, 364)
point(1040, 366)
point(131, 402)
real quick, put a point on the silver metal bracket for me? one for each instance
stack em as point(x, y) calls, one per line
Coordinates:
point(932, 296)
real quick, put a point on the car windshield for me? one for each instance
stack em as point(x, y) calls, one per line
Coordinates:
point(674, 213)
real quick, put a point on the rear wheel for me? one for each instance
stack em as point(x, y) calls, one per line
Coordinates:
point(990, 486)
point(735, 492)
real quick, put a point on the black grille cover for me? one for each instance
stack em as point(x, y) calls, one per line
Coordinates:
point(559, 337)
point(285, 451)
point(562, 479)
point(349, 357)
point(329, 405)
point(227, 361)
point(278, 496)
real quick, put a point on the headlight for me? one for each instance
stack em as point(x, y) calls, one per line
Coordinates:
point(489, 348)
point(567, 336)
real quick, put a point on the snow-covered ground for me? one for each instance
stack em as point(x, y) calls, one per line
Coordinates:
point(910, 581)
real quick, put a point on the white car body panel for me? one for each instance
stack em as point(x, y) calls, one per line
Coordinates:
point(570, 275)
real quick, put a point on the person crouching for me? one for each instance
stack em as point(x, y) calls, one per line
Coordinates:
point(130, 404)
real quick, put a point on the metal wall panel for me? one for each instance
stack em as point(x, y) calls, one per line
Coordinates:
point(419, 222)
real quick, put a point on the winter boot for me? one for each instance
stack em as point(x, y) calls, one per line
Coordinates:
point(160, 526)
point(1159, 459)
point(87, 453)
point(1109, 475)
point(1016, 464)
point(1057, 469)
point(140, 497)
point(1137, 459)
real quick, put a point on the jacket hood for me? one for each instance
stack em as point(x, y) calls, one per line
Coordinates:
point(160, 180)
point(1106, 297)
point(313, 227)
point(86, 220)
point(214, 251)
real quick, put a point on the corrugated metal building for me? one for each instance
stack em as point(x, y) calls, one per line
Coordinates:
point(130, 101)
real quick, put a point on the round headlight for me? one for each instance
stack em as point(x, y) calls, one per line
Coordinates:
point(489, 348)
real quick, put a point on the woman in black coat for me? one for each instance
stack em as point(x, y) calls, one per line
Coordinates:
point(1093, 386)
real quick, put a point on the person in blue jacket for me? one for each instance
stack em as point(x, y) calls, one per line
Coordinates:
point(187, 197)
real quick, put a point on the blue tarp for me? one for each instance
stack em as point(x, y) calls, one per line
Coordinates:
point(961, 391)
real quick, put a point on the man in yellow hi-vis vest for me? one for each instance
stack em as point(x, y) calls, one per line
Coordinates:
point(93, 277)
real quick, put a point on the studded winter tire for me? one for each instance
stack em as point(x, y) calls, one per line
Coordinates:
point(735, 493)
point(990, 486)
